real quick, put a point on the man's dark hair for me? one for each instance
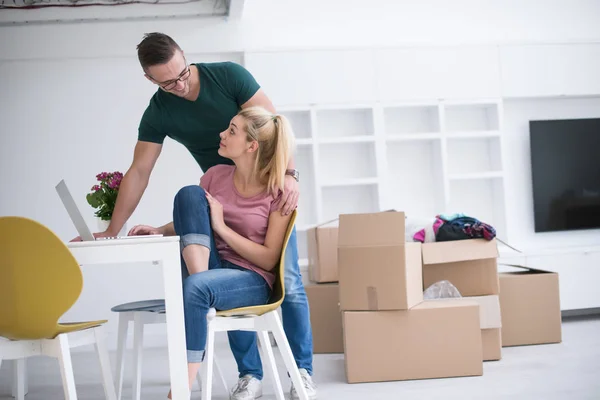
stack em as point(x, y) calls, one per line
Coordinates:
point(156, 48)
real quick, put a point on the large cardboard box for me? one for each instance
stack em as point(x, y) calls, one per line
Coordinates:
point(491, 342)
point(325, 318)
point(322, 243)
point(378, 270)
point(490, 322)
point(530, 304)
point(435, 339)
point(470, 265)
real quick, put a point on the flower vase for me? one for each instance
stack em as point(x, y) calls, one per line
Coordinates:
point(103, 226)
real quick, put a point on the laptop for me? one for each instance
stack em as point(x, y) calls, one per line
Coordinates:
point(77, 218)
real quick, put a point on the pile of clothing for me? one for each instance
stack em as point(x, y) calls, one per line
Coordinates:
point(447, 227)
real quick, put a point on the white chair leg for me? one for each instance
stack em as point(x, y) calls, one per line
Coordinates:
point(121, 346)
point(286, 353)
point(66, 366)
point(199, 379)
point(107, 379)
point(138, 338)
point(265, 343)
point(19, 389)
point(220, 373)
point(207, 365)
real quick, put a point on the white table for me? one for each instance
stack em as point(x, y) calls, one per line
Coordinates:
point(163, 251)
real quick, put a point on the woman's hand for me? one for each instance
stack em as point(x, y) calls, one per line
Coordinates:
point(216, 213)
point(144, 230)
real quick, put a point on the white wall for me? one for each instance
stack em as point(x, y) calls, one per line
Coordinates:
point(72, 94)
point(310, 24)
point(71, 119)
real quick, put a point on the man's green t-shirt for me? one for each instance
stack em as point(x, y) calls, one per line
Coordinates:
point(224, 87)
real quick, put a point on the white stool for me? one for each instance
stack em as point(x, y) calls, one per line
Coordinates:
point(142, 313)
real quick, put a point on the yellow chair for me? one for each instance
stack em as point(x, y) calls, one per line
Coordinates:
point(39, 281)
point(261, 319)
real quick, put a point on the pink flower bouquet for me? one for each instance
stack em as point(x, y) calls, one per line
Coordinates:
point(104, 195)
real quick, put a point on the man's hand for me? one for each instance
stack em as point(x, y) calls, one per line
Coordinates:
point(289, 199)
point(96, 235)
point(144, 230)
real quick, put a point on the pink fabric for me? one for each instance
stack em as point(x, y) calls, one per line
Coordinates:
point(247, 216)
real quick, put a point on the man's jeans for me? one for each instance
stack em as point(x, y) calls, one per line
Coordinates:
point(296, 323)
point(224, 286)
point(295, 312)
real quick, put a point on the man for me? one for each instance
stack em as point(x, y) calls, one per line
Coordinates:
point(193, 104)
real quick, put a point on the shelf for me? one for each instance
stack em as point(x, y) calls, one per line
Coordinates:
point(304, 141)
point(473, 135)
point(349, 200)
point(343, 161)
point(414, 178)
point(351, 182)
point(300, 121)
point(307, 207)
point(347, 139)
point(471, 117)
point(476, 175)
point(413, 136)
point(411, 119)
point(480, 198)
point(335, 123)
point(474, 155)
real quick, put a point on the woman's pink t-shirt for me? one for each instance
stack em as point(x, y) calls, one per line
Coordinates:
point(247, 216)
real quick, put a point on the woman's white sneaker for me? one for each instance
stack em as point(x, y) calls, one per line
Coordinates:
point(247, 388)
point(309, 385)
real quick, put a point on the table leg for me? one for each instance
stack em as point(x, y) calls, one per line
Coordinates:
point(171, 267)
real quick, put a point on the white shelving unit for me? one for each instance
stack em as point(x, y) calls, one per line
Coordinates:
point(423, 158)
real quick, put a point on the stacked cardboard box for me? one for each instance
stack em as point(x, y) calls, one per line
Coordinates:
point(530, 305)
point(471, 266)
point(389, 332)
point(323, 292)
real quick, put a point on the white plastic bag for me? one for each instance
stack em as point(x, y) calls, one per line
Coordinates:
point(441, 290)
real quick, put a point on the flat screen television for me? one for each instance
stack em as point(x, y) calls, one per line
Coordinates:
point(565, 168)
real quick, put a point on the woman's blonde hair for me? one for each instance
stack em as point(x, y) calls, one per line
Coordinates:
point(275, 138)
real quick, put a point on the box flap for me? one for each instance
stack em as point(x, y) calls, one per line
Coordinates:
point(525, 269)
point(374, 229)
point(459, 250)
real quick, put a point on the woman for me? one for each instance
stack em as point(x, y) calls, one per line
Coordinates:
point(231, 232)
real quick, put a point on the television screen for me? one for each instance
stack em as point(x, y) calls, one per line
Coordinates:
point(565, 167)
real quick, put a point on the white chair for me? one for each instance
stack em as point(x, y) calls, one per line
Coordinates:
point(39, 281)
point(60, 348)
point(141, 313)
point(261, 319)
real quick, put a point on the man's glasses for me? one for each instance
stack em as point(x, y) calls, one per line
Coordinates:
point(170, 85)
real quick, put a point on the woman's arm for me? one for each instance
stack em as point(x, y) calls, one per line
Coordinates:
point(265, 256)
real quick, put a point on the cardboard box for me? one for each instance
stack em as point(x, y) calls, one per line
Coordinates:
point(470, 265)
point(489, 309)
point(435, 339)
point(322, 243)
point(378, 270)
point(325, 318)
point(491, 342)
point(490, 322)
point(530, 304)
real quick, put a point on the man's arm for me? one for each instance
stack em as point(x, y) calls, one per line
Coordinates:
point(134, 184)
point(289, 200)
